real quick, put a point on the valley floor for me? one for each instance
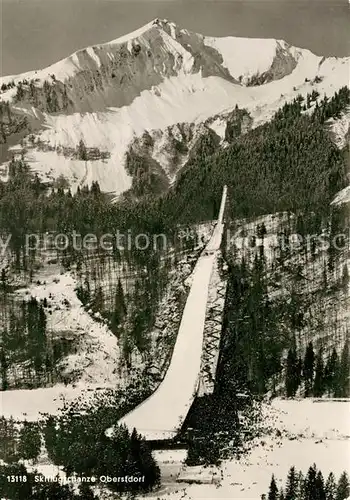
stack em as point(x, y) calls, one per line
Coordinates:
point(295, 432)
point(292, 432)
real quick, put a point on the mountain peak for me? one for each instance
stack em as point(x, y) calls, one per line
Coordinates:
point(155, 23)
point(160, 22)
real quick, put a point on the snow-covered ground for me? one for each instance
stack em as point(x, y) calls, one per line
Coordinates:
point(30, 405)
point(71, 65)
point(295, 433)
point(246, 57)
point(98, 350)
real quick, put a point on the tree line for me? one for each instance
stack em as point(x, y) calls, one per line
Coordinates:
point(76, 440)
point(311, 487)
point(316, 375)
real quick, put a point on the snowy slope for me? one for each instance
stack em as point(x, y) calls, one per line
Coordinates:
point(188, 98)
point(161, 415)
point(252, 57)
point(155, 78)
point(98, 351)
point(342, 197)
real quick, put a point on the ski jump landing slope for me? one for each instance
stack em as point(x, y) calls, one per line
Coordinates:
point(161, 415)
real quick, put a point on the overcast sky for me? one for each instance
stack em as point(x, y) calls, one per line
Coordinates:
point(36, 33)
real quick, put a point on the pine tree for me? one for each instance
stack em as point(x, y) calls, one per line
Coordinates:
point(82, 151)
point(33, 93)
point(9, 113)
point(292, 484)
point(331, 487)
point(30, 441)
point(308, 368)
point(56, 491)
point(149, 467)
point(310, 491)
point(3, 280)
point(343, 487)
point(8, 440)
point(35, 320)
point(273, 491)
point(320, 490)
point(54, 106)
point(319, 376)
point(261, 231)
point(133, 463)
point(301, 487)
point(345, 278)
point(332, 373)
point(292, 382)
point(86, 492)
point(95, 188)
point(3, 369)
point(299, 371)
point(20, 92)
point(98, 301)
point(120, 310)
point(344, 372)
point(65, 100)
point(52, 441)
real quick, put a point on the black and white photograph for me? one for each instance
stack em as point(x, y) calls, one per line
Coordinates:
point(174, 250)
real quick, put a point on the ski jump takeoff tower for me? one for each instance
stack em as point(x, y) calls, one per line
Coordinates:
point(194, 361)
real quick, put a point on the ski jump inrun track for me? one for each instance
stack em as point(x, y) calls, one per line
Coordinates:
point(161, 415)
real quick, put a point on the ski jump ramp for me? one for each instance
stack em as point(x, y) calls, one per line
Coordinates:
point(161, 416)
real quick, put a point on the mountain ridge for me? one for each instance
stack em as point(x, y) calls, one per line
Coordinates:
point(180, 36)
point(156, 77)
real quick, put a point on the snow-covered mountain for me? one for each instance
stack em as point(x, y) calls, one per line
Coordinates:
point(162, 81)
